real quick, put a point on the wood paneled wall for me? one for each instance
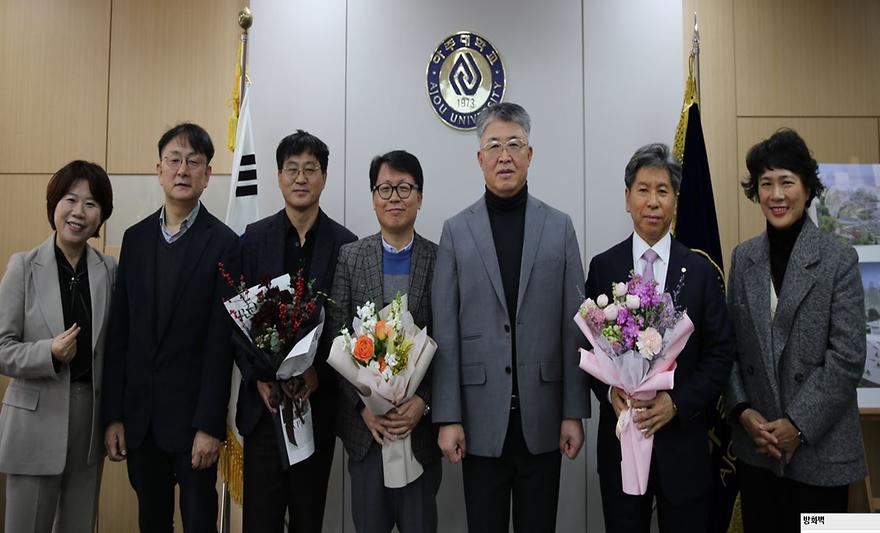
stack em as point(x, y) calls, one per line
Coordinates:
point(812, 65)
point(101, 80)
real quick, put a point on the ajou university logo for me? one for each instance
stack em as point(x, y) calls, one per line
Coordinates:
point(465, 75)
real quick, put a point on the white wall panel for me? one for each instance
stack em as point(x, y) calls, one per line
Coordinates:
point(598, 78)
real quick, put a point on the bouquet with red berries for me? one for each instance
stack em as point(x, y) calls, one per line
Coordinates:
point(279, 326)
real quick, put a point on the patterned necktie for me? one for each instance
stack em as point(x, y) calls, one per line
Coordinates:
point(649, 257)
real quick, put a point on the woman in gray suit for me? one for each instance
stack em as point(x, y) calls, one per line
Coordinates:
point(55, 300)
point(797, 304)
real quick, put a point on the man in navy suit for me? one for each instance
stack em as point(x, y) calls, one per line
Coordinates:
point(168, 357)
point(680, 469)
point(300, 235)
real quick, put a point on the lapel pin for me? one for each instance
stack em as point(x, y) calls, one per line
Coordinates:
point(683, 270)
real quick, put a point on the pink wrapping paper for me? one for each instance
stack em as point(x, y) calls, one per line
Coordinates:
point(635, 448)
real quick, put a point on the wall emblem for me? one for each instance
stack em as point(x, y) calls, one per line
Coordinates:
point(465, 75)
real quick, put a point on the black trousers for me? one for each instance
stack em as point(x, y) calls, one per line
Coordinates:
point(771, 503)
point(270, 491)
point(626, 513)
point(532, 480)
point(153, 473)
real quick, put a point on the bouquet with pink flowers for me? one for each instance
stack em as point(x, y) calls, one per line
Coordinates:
point(636, 335)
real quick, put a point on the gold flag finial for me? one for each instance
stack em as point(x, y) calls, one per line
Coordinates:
point(245, 18)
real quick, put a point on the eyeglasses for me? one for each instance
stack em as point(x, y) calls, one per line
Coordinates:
point(513, 146)
point(308, 172)
point(174, 163)
point(404, 190)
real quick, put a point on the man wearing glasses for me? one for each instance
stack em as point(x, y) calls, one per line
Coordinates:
point(507, 390)
point(298, 236)
point(397, 260)
point(168, 356)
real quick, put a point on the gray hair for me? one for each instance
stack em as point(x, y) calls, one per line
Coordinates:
point(654, 155)
point(506, 111)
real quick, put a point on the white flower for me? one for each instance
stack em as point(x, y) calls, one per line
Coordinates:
point(619, 289)
point(374, 365)
point(611, 312)
point(649, 343)
point(633, 301)
point(391, 359)
point(602, 300)
point(346, 339)
point(366, 311)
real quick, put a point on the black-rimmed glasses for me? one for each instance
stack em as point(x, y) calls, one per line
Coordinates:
point(404, 190)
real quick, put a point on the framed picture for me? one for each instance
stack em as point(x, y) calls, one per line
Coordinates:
point(850, 209)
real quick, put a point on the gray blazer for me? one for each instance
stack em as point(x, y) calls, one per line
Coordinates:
point(807, 362)
point(33, 420)
point(472, 383)
point(359, 278)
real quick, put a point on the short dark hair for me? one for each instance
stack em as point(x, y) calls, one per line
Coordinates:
point(63, 180)
point(300, 143)
point(654, 155)
point(401, 161)
point(785, 149)
point(506, 112)
point(195, 135)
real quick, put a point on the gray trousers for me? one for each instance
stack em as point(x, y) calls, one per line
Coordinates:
point(376, 508)
point(68, 502)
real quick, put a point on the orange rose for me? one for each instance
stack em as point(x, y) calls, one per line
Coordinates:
point(363, 348)
point(382, 364)
point(380, 330)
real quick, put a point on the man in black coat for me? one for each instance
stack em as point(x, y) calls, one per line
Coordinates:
point(299, 236)
point(680, 470)
point(168, 356)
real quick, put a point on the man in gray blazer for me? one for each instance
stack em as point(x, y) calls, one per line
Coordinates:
point(507, 389)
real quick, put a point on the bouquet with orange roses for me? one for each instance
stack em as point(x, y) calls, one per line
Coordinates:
point(385, 357)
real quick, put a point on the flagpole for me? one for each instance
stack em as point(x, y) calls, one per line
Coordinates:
point(245, 20)
point(695, 49)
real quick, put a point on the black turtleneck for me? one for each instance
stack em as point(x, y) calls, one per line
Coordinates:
point(507, 216)
point(781, 244)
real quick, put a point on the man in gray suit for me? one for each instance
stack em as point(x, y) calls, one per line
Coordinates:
point(507, 389)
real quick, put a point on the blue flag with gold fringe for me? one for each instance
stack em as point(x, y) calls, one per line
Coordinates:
point(696, 226)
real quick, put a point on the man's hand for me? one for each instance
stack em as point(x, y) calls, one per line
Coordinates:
point(64, 345)
point(302, 386)
point(755, 425)
point(378, 426)
point(655, 413)
point(114, 441)
point(618, 400)
point(270, 392)
point(451, 442)
point(403, 420)
point(571, 437)
point(205, 450)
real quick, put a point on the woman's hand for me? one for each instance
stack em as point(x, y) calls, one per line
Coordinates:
point(64, 345)
point(758, 429)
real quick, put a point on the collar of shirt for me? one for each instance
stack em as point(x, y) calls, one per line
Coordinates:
point(312, 231)
point(663, 247)
point(185, 225)
point(392, 250)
